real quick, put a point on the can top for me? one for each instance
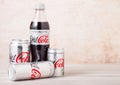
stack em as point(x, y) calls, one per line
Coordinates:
point(18, 41)
point(60, 50)
point(51, 50)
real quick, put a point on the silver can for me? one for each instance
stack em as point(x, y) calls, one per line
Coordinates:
point(19, 51)
point(57, 57)
point(36, 70)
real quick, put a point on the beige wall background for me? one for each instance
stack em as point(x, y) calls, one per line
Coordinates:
point(88, 30)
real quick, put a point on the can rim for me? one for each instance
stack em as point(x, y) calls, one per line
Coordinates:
point(55, 50)
point(51, 50)
point(19, 41)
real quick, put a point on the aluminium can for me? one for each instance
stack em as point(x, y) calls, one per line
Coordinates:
point(19, 51)
point(34, 70)
point(57, 57)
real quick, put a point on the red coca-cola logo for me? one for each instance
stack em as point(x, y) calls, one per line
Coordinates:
point(43, 39)
point(59, 63)
point(22, 57)
point(35, 73)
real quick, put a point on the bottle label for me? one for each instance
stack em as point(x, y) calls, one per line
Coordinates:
point(39, 37)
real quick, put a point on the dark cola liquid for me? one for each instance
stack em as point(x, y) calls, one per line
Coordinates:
point(39, 52)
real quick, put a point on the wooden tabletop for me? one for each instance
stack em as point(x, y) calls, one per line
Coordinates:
point(108, 74)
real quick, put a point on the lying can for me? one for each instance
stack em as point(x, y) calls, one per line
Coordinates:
point(57, 57)
point(19, 51)
point(35, 70)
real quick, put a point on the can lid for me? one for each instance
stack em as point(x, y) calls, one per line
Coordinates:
point(18, 41)
point(40, 6)
point(60, 50)
point(11, 72)
point(51, 50)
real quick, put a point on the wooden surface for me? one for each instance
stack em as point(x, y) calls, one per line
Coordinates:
point(74, 75)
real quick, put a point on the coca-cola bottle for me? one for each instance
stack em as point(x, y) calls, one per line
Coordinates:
point(39, 35)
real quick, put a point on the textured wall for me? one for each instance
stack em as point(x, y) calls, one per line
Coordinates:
point(88, 30)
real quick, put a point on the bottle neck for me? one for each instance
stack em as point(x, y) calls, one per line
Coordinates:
point(39, 16)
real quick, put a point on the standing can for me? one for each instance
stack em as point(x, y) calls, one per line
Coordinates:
point(32, 70)
point(57, 57)
point(19, 51)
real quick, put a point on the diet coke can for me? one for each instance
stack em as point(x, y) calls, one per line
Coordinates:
point(19, 51)
point(57, 57)
point(33, 70)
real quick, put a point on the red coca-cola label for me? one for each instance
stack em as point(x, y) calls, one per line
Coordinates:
point(39, 37)
point(59, 63)
point(22, 57)
point(43, 39)
point(35, 73)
